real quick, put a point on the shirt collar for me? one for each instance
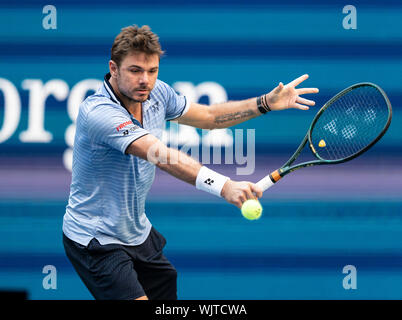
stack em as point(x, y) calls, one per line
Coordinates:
point(113, 96)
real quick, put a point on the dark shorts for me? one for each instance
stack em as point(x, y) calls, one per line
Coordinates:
point(119, 272)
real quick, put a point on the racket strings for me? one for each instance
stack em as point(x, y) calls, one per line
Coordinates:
point(350, 123)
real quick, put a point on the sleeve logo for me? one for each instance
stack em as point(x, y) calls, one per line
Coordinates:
point(126, 131)
point(121, 126)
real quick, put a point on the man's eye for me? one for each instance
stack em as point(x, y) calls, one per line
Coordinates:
point(135, 71)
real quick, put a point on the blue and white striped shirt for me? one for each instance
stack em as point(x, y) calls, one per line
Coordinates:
point(108, 187)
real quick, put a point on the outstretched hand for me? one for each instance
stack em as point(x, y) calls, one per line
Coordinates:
point(287, 96)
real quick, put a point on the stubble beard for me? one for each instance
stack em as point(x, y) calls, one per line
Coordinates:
point(127, 94)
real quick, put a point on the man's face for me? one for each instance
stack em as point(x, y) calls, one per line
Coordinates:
point(136, 75)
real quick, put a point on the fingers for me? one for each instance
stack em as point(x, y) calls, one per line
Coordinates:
point(256, 190)
point(252, 192)
point(305, 101)
point(307, 90)
point(297, 81)
point(240, 192)
point(238, 203)
point(300, 106)
point(243, 195)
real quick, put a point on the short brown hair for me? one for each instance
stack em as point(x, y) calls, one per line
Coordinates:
point(134, 38)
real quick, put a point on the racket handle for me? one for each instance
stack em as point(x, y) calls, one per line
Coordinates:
point(265, 183)
point(268, 181)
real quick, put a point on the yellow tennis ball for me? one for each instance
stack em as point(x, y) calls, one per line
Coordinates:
point(251, 209)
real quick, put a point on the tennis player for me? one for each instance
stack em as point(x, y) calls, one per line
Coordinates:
point(107, 236)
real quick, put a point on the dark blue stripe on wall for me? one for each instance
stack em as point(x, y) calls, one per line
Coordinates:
point(300, 49)
point(292, 210)
point(197, 3)
point(215, 49)
point(226, 262)
point(295, 262)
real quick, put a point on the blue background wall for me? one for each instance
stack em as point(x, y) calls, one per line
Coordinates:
point(315, 222)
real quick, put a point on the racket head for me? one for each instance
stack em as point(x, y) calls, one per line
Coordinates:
point(350, 123)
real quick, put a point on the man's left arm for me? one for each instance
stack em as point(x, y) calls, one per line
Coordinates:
point(230, 113)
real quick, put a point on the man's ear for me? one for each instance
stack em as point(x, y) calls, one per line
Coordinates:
point(113, 68)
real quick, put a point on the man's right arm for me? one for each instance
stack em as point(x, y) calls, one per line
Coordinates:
point(185, 168)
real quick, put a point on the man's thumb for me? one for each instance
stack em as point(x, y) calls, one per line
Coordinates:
point(279, 87)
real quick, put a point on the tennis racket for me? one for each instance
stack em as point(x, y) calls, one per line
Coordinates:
point(345, 127)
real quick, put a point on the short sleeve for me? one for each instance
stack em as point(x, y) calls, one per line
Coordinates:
point(176, 105)
point(109, 125)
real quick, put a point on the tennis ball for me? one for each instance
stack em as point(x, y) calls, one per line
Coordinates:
point(251, 209)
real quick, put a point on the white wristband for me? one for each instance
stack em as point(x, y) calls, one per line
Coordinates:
point(210, 181)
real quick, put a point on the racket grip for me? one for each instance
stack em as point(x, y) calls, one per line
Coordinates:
point(269, 180)
point(265, 183)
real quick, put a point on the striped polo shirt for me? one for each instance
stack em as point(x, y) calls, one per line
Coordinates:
point(109, 187)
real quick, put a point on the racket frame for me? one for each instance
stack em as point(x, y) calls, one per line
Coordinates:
point(276, 175)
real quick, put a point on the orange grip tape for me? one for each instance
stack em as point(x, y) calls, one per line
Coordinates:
point(275, 175)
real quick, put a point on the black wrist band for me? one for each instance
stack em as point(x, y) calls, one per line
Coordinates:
point(265, 103)
point(261, 107)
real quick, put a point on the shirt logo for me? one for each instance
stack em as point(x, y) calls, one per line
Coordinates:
point(121, 126)
point(155, 107)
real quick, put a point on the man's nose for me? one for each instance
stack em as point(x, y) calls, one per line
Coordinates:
point(144, 78)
